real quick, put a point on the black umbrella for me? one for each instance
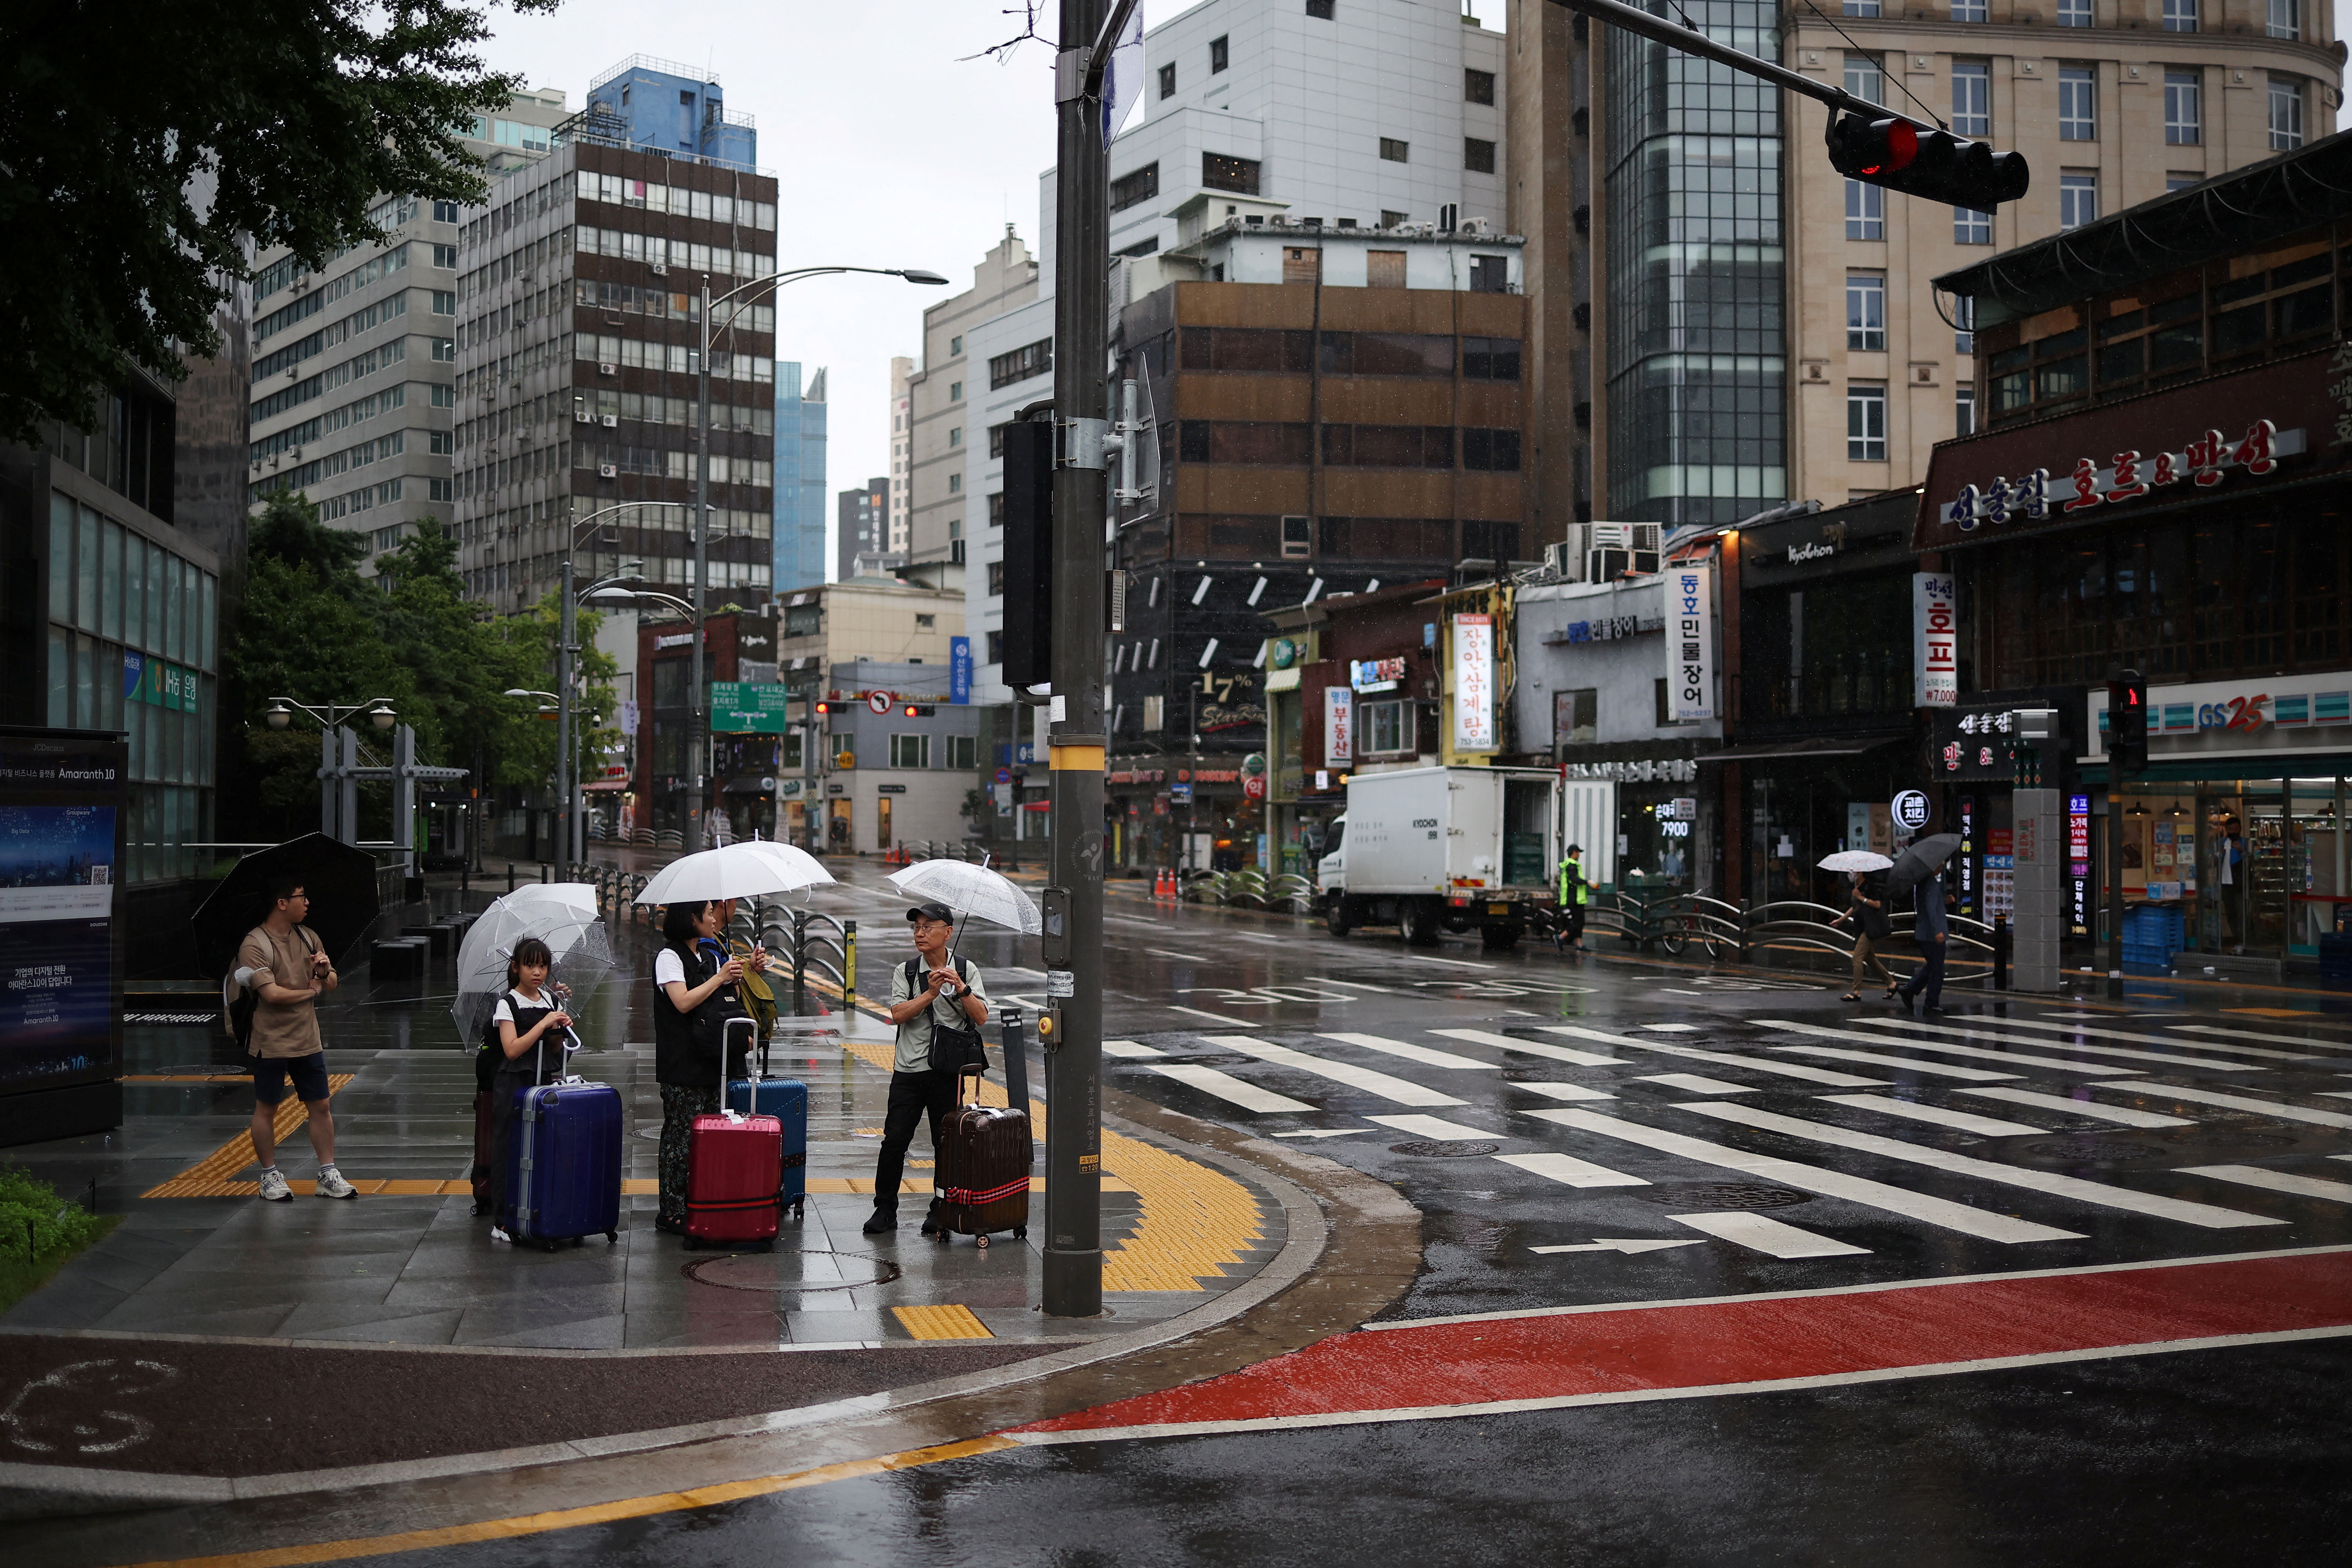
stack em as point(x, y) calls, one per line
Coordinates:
point(1921, 861)
point(340, 878)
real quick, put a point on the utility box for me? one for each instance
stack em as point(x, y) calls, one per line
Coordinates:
point(2038, 841)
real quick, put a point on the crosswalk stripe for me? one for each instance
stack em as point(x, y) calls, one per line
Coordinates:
point(1942, 1212)
point(1436, 1127)
point(1414, 1053)
point(2321, 1047)
point(1533, 1048)
point(1936, 1115)
point(1724, 1059)
point(1574, 1171)
point(2276, 1107)
point(1759, 1234)
point(1691, 1083)
point(1401, 1090)
point(2275, 1181)
point(2121, 1115)
point(1226, 1087)
point(2136, 1038)
point(1980, 1052)
point(2072, 1188)
point(1130, 1048)
point(1550, 1090)
point(2212, 1064)
point(1898, 1064)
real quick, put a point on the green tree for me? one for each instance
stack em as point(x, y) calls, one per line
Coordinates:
point(151, 143)
point(532, 636)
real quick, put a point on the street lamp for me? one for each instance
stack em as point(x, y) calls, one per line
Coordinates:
point(697, 713)
point(328, 715)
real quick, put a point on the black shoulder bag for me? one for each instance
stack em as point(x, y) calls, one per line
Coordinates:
point(955, 1047)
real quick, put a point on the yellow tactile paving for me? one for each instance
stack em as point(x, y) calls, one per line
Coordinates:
point(942, 1323)
point(1195, 1221)
point(207, 1178)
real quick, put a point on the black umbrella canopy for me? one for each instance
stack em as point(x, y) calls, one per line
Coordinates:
point(340, 878)
point(1922, 860)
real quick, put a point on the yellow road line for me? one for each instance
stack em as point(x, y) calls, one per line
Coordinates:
point(949, 1322)
point(234, 1155)
point(530, 1524)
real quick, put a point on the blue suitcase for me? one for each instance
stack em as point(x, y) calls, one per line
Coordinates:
point(563, 1178)
point(786, 1099)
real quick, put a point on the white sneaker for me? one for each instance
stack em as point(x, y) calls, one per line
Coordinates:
point(330, 1184)
point(275, 1188)
point(499, 1234)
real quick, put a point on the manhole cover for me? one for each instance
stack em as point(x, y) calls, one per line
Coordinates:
point(1429, 1149)
point(1727, 1195)
point(774, 1273)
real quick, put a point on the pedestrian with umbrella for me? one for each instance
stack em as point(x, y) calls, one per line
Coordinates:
point(1920, 868)
point(273, 928)
point(1866, 907)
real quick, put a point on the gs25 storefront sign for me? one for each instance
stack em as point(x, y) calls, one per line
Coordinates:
point(2128, 475)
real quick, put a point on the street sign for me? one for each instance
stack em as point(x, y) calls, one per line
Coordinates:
point(1004, 775)
point(1253, 785)
point(1911, 810)
point(749, 707)
point(1181, 793)
point(880, 702)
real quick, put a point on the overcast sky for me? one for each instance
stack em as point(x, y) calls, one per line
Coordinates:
point(891, 150)
point(888, 150)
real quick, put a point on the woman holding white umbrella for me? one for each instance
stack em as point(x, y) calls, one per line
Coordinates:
point(1866, 908)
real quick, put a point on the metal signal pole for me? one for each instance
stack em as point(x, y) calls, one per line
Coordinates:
point(1077, 740)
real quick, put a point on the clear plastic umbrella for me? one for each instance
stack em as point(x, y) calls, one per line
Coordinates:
point(749, 870)
point(562, 915)
point(972, 891)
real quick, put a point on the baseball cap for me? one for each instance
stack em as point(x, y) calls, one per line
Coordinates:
point(931, 913)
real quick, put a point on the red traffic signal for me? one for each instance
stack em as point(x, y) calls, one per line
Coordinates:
point(1934, 164)
point(824, 707)
point(2128, 721)
point(918, 709)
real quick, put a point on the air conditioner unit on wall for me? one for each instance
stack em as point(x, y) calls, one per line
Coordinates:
point(607, 471)
point(661, 269)
point(606, 368)
point(610, 421)
point(1607, 552)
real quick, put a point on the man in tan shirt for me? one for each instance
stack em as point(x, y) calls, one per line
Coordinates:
point(289, 974)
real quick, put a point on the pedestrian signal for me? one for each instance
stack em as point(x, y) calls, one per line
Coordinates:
point(2127, 721)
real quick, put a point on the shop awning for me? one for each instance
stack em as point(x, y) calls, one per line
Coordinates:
point(1806, 746)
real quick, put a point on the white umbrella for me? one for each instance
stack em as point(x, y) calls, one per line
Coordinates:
point(734, 871)
point(971, 889)
point(563, 915)
point(1854, 860)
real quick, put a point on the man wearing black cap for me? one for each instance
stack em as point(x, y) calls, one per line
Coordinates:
point(952, 996)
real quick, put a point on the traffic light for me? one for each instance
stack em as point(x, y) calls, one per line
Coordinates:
point(824, 707)
point(2126, 723)
point(1028, 553)
point(918, 709)
point(1935, 164)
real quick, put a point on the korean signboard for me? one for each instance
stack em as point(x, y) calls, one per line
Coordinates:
point(61, 795)
point(1690, 642)
point(743, 707)
point(1972, 747)
point(2114, 478)
point(1934, 640)
point(958, 669)
point(1339, 726)
point(1376, 674)
point(1473, 683)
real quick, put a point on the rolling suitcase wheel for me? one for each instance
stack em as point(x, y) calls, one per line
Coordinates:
point(984, 1244)
point(1020, 1233)
point(612, 1238)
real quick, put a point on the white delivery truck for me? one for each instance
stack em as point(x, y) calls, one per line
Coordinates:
point(1426, 850)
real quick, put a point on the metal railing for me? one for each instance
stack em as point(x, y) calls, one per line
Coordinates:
point(811, 942)
point(1249, 888)
point(1680, 923)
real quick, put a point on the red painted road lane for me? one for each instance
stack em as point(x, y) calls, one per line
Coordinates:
point(1755, 1340)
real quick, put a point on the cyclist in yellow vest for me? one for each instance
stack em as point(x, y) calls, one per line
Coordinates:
point(1573, 894)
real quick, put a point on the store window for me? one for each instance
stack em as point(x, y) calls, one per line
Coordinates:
point(1574, 715)
point(1385, 729)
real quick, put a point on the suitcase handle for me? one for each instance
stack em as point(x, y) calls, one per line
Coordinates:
point(726, 1034)
point(975, 1074)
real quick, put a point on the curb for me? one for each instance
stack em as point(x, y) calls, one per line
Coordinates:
point(1362, 1270)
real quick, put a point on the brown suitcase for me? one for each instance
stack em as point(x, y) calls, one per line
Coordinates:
point(984, 1171)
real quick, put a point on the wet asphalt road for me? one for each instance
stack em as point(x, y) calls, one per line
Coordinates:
point(1580, 1101)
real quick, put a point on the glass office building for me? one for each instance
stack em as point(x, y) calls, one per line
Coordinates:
point(800, 558)
point(1698, 364)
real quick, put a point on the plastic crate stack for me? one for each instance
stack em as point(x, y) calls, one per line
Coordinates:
point(2152, 934)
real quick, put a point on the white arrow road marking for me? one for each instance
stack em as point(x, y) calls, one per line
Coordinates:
point(1618, 1244)
point(1766, 1235)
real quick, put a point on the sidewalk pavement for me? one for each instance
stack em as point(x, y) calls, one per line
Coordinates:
point(389, 1328)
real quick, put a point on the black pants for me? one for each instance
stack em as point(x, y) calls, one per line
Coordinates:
point(912, 1096)
point(1930, 978)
